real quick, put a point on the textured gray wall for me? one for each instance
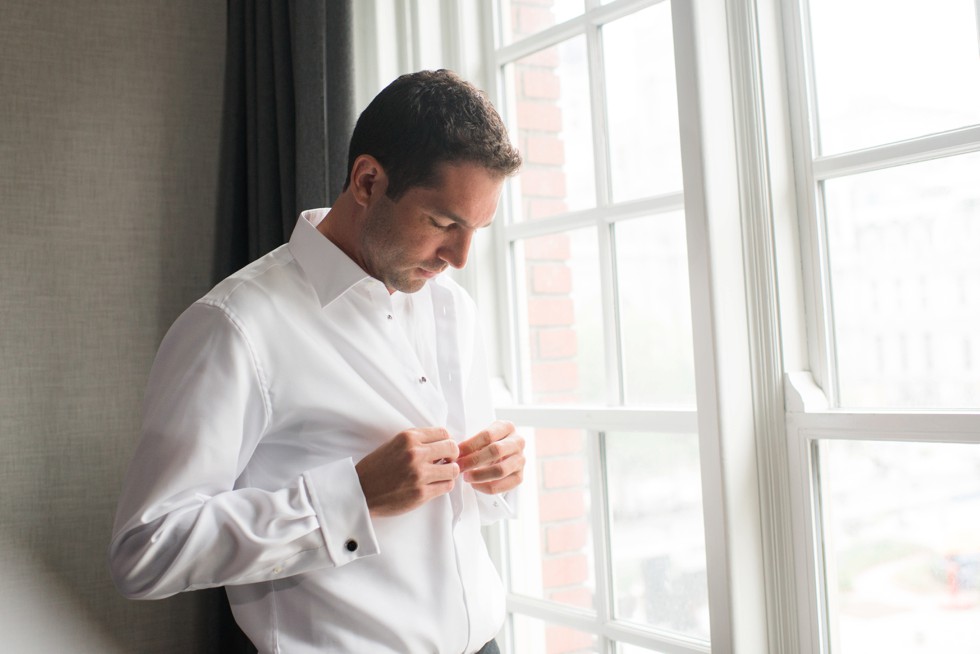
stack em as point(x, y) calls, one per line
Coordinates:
point(109, 126)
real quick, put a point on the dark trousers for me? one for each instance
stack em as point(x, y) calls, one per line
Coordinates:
point(490, 648)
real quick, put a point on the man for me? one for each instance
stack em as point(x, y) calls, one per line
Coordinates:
point(317, 433)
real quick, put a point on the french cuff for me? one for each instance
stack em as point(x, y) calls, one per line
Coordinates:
point(342, 511)
point(494, 508)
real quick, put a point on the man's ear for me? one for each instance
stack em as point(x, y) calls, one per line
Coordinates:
point(367, 179)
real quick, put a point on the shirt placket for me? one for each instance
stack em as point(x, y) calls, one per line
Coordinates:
point(424, 392)
point(449, 361)
point(450, 366)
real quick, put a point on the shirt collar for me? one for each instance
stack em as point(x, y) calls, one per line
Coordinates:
point(330, 271)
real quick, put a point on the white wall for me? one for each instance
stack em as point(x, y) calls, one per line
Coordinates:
point(109, 136)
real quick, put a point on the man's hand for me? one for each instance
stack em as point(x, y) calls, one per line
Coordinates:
point(493, 460)
point(408, 471)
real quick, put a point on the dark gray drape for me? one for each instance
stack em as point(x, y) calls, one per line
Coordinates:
point(287, 121)
point(288, 116)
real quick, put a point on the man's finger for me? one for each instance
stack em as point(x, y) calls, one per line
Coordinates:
point(441, 472)
point(501, 485)
point(442, 451)
point(497, 430)
point(431, 434)
point(497, 470)
point(492, 453)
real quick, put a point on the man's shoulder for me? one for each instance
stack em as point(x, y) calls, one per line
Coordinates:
point(267, 280)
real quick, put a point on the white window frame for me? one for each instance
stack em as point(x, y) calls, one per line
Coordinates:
point(724, 419)
point(728, 387)
point(810, 420)
point(812, 395)
point(744, 93)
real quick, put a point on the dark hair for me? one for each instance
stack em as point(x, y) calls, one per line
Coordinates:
point(425, 119)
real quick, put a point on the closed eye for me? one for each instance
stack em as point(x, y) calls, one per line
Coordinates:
point(443, 225)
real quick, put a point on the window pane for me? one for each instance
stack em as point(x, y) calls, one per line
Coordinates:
point(562, 357)
point(644, 142)
point(550, 93)
point(657, 544)
point(906, 284)
point(522, 18)
point(624, 648)
point(533, 635)
point(903, 546)
point(552, 538)
point(887, 71)
point(655, 310)
point(430, 27)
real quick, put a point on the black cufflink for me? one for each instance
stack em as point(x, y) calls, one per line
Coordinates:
point(351, 545)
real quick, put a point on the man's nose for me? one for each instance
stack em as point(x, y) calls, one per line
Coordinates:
point(456, 249)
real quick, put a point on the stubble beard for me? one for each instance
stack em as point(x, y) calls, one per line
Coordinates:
point(384, 259)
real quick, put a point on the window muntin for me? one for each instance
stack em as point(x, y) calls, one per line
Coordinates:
point(887, 71)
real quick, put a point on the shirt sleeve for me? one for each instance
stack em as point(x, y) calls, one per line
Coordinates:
point(181, 523)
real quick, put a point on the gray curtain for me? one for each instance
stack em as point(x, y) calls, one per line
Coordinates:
point(288, 116)
point(287, 121)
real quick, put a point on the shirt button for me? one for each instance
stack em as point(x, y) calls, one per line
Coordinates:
point(351, 545)
point(422, 380)
point(277, 569)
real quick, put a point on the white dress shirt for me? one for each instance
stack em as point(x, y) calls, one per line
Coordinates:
point(262, 397)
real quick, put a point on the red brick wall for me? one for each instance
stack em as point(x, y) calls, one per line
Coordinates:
point(566, 562)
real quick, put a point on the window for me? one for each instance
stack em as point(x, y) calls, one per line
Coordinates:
point(886, 451)
point(609, 553)
point(737, 310)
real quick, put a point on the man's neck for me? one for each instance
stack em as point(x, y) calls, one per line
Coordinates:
point(341, 225)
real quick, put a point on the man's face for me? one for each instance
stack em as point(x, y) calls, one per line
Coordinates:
point(408, 242)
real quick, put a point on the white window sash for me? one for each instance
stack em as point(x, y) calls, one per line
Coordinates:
point(810, 419)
